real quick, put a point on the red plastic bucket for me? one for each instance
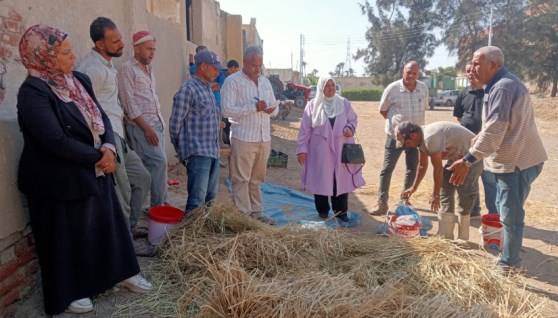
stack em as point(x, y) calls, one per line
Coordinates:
point(491, 231)
point(161, 220)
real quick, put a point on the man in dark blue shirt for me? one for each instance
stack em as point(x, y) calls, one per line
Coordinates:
point(468, 111)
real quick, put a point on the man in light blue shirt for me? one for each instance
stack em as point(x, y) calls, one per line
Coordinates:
point(132, 179)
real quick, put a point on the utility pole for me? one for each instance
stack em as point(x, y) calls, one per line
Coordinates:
point(348, 64)
point(301, 66)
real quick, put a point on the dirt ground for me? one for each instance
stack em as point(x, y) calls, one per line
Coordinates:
point(540, 250)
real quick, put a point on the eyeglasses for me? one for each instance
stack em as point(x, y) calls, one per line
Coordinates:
point(469, 71)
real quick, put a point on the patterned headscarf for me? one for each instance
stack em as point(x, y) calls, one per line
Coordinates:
point(324, 107)
point(37, 49)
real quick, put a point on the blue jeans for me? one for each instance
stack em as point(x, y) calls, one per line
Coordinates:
point(513, 189)
point(203, 177)
point(391, 156)
point(489, 184)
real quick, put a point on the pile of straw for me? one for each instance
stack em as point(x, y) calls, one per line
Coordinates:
point(222, 264)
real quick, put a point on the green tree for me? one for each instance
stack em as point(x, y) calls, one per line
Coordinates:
point(541, 31)
point(339, 69)
point(313, 77)
point(464, 26)
point(446, 71)
point(400, 31)
point(509, 33)
point(525, 30)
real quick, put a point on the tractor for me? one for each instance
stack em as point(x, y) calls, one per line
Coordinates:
point(298, 93)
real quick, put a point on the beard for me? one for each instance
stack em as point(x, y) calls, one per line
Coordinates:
point(114, 53)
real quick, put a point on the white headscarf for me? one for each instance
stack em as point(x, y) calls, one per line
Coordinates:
point(324, 107)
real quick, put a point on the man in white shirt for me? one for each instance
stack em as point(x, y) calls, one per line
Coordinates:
point(247, 99)
point(404, 99)
point(132, 179)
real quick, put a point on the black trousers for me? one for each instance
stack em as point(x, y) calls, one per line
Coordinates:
point(226, 132)
point(339, 203)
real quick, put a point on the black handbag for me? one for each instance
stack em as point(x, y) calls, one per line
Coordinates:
point(353, 154)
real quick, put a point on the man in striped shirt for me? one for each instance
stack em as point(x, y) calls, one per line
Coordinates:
point(403, 100)
point(510, 145)
point(143, 118)
point(195, 130)
point(247, 99)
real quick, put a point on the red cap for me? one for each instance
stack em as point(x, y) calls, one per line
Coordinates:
point(141, 36)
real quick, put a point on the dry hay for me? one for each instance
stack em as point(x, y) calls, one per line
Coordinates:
point(545, 108)
point(222, 264)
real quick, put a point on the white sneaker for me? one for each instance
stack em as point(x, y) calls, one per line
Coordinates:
point(137, 284)
point(81, 306)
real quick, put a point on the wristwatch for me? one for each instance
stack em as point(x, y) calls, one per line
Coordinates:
point(467, 163)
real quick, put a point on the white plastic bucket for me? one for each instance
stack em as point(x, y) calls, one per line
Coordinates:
point(161, 220)
point(406, 226)
point(491, 231)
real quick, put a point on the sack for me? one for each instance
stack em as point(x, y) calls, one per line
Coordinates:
point(352, 153)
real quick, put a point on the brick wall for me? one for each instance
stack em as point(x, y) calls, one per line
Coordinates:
point(11, 28)
point(19, 268)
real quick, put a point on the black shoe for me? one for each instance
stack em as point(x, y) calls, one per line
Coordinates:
point(324, 215)
point(343, 217)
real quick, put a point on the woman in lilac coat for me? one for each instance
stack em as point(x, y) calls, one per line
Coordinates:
point(328, 122)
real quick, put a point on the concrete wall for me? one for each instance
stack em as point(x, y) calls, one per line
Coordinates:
point(355, 82)
point(18, 263)
point(209, 20)
point(233, 39)
point(165, 19)
point(130, 16)
point(250, 35)
point(285, 75)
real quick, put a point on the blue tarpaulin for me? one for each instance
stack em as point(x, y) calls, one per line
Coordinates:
point(285, 205)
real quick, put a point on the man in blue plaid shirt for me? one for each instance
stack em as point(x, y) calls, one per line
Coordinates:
point(195, 130)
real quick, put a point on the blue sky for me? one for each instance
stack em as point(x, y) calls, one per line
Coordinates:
point(326, 26)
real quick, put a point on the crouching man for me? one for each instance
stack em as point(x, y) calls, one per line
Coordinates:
point(441, 141)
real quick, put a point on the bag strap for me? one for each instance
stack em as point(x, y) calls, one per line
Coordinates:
point(353, 174)
point(354, 132)
point(349, 170)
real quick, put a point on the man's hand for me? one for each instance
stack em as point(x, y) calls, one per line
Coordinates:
point(460, 171)
point(435, 202)
point(151, 136)
point(405, 195)
point(348, 132)
point(301, 157)
point(107, 160)
point(225, 152)
point(215, 86)
point(261, 105)
point(269, 110)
